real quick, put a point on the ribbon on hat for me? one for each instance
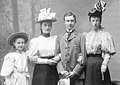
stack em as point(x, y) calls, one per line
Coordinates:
point(100, 6)
point(46, 15)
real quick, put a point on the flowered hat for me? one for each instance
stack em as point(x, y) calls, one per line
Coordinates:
point(45, 15)
point(14, 36)
point(98, 9)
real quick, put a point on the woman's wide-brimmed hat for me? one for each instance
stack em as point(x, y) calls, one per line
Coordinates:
point(14, 36)
point(46, 15)
point(98, 9)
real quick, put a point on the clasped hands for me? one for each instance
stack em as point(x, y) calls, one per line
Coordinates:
point(51, 62)
point(66, 74)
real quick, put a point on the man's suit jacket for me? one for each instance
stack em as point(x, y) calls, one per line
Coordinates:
point(71, 50)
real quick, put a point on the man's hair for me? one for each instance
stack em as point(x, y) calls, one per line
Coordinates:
point(69, 14)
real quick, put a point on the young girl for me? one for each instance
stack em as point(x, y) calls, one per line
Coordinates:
point(14, 68)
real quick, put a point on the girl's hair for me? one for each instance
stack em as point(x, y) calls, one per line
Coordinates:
point(69, 14)
point(41, 28)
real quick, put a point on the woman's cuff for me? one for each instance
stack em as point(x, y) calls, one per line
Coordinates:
point(57, 58)
point(106, 59)
point(76, 73)
point(42, 61)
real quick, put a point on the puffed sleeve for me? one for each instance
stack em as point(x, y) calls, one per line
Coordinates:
point(108, 44)
point(57, 47)
point(32, 48)
point(33, 52)
point(8, 65)
point(57, 57)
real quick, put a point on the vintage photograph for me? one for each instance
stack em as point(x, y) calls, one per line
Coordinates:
point(59, 42)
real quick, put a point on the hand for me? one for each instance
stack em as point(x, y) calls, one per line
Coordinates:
point(71, 74)
point(80, 60)
point(51, 62)
point(64, 74)
point(34, 59)
point(103, 68)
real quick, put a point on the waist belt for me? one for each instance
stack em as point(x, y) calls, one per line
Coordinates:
point(48, 57)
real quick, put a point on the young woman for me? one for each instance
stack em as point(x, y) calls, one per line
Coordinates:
point(42, 50)
point(14, 67)
point(100, 48)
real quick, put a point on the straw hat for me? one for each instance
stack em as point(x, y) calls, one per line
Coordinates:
point(14, 36)
point(45, 15)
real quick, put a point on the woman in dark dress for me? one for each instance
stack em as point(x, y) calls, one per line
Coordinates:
point(100, 48)
point(42, 50)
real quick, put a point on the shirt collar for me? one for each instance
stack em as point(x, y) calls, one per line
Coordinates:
point(70, 31)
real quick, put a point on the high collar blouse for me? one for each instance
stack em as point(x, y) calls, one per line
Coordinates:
point(42, 46)
point(99, 42)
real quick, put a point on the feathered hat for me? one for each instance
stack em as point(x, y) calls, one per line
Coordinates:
point(98, 9)
point(46, 15)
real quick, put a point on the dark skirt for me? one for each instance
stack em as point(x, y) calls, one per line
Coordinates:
point(93, 71)
point(45, 75)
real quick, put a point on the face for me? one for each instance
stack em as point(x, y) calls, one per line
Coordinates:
point(69, 22)
point(46, 26)
point(19, 44)
point(95, 21)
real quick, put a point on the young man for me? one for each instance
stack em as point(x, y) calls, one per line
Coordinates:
point(72, 49)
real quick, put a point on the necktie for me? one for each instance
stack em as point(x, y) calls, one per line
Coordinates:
point(68, 35)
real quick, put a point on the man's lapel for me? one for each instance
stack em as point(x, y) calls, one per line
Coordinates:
point(73, 35)
point(65, 37)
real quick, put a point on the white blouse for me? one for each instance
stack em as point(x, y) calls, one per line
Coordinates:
point(42, 46)
point(98, 42)
point(14, 62)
